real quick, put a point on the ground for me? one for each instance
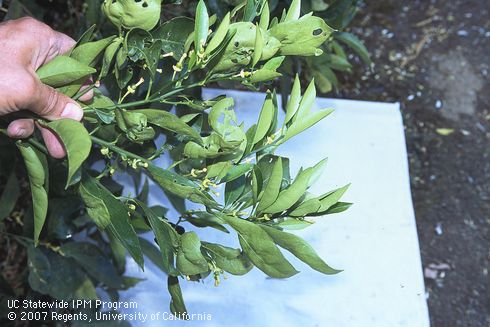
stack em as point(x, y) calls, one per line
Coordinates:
point(433, 58)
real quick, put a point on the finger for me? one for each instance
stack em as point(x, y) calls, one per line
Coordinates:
point(50, 104)
point(34, 42)
point(53, 143)
point(87, 96)
point(59, 44)
point(90, 94)
point(21, 128)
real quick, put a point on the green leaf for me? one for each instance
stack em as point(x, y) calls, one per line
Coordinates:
point(294, 100)
point(152, 252)
point(338, 208)
point(294, 224)
point(309, 206)
point(288, 197)
point(317, 171)
point(324, 78)
point(273, 187)
point(153, 54)
point(63, 70)
point(318, 5)
point(99, 102)
point(260, 249)
point(249, 135)
point(87, 35)
point(177, 305)
point(58, 277)
point(61, 215)
point(339, 63)
point(294, 11)
point(273, 64)
point(305, 123)
point(259, 45)
point(201, 26)
point(180, 186)
point(9, 196)
point(190, 260)
point(307, 101)
point(236, 171)
point(109, 55)
point(252, 9)
point(300, 249)
point(332, 198)
point(228, 137)
point(173, 34)
point(93, 14)
point(266, 164)
point(234, 189)
point(130, 282)
point(170, 122)
point(35, 165)
point(219, 36)
point(94, 204)
point(93, 261)
point(133, 14)
point(205, 219)
point(268, 71)
point(167, 239)
point(338, 49)
point(265, 119)
point(89, 52)
point(257, 183)
point(221, 109)
point(145, 191)
point(121, 58)
point(39, 270)
point(107, 211)
point(218, 170)
point(301, 37)
point(265, 17)
point(118, 252)
point(195, 151)
point(355, 44)
point(135, 43)
point(229, 259)
point(328, 203)
point(76, 141)
point(273, 22)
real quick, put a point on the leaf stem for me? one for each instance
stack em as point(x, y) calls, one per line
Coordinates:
point(117, 149)
point(151, 99)
point(150, 86)
point(38, 145)
point(83, 92)
point(175, 164)
point(32, 141)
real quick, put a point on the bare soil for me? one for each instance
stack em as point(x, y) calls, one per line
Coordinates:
point(433, 58)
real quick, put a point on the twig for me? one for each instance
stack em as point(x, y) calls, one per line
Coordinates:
point(118, 149)
point(418, 49)
point(424, 22)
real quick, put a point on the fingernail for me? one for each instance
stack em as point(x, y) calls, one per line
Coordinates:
point(72, 111)
point(19, 132)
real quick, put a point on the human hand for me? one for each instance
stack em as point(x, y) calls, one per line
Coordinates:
point(25, 45)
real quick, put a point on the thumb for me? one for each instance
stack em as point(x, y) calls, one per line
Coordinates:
point(52, 105)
